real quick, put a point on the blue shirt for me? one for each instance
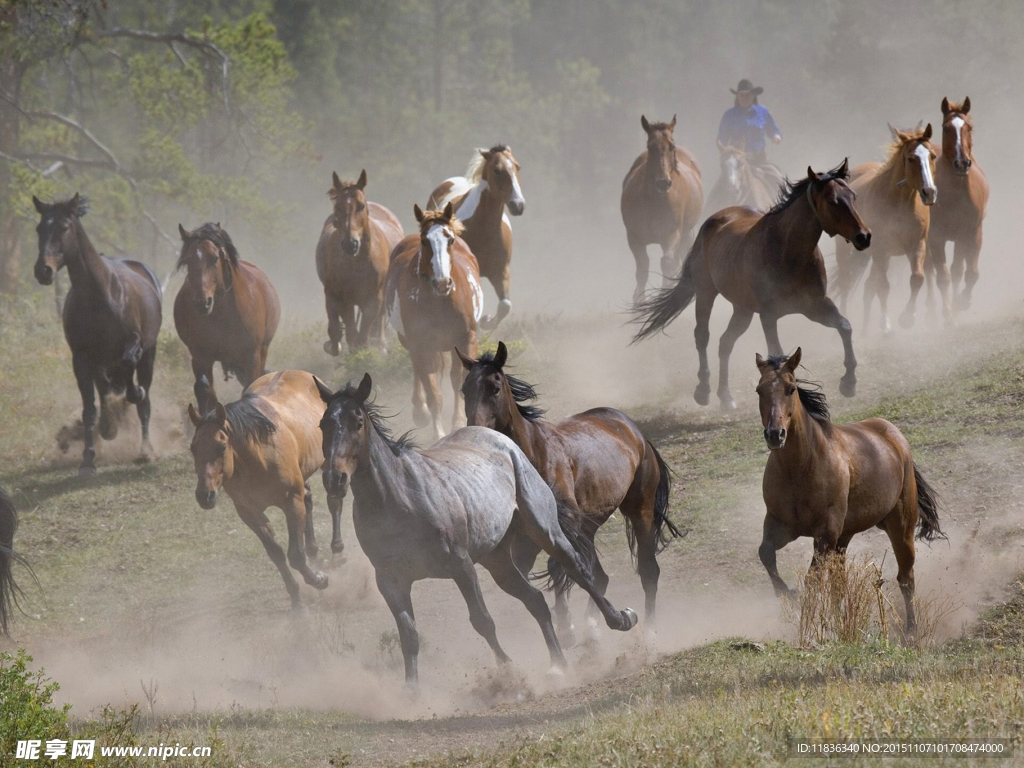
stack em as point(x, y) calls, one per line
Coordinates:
point(747, 127)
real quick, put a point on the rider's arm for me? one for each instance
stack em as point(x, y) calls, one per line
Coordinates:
point(725, 129)
point(770, 127)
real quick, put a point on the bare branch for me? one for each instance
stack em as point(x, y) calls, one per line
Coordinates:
point(80, 129)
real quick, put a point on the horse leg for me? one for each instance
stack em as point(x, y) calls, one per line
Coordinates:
point(348, 320)
point(464, 574)
point(774, 537)
point(397, 593)
point(108, 425)
point(501, 283)
point(643, 267)
point(957, 274)
point(601, 586)
point(206, 394)
point(310, 535)
point(879, 280)
point(671, 259)
point(334, 329)
point(335, 505)
point(506, 574)
point(144, 407)
point(371, 329)
point(899, 526)
point(770, 325)
point(916, 256)
point(827, 313)
point(937, 258)
point(432, 391)
point(458, 375)
point(738, 324)
point(701, 336)
point(85, 376)
point(295, 514)
point(257, 521)
point(972, 253)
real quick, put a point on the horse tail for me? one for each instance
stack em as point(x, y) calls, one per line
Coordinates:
point(656, 312)
point(665, 530)
point(10, 592)
point(927, 510)
point(573, 525)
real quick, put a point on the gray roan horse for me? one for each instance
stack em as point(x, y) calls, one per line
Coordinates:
point(433, 514)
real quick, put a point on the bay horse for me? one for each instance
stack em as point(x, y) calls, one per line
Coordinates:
point(595, 462)
point(480, 198)
point(9, 589)
point(662, 197)
point(226, 311)
point(740, 182)
point(894, 198)
point(352, 263)
point(434, 302)
point(764, 263)
point(832, 481)
point(435, 513)
point(959, 215)
point(261, 450)
point(112, 317)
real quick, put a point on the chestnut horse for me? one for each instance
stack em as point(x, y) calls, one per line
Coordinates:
point(434, 303)
point(595, 462)
point(740, 182)
point(852, 477)
point(111, 316)
point(958, 215)
point(764, 263)
point(262, 450)
point(894, 199)
point(662, 197)
point(352, 262)
point(491, 185)
point(226, 311)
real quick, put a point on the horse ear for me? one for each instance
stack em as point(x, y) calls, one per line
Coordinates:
point(73, 203)
point(365, 388)
point(844, 169)
point(449, 211)
point(183, 232)
point(193, 416)
point(721, 146)
point(336, 181)
point(761, 362)
point(418, 213)
point(467, 362)
point(361, 184)
point(325, 392)
point(945, 105)
point(501, 356)
point(222, 415)
point(672, 125)
point(644, 124)
point(41, 207)
point(927, 132)
point(893, 132)
point(811, 174)
point(794, 360)
point(967, 105)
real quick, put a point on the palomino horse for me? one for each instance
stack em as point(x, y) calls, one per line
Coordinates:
point(852, 477)
point(352, 262)
point(959, 214)
point(433, 514)
point(741, 183)
point(595, 462)
point(9, 590)
point(434, 302)
point(894, 199)
point(491, 185)
point(662, 197)
point(765, 263)
point(226, 311)
point(112, 316)
point(261, 450)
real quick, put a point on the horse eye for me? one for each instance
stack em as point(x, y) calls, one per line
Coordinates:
point(360, 207)
point(451, 240)
point(790, 391)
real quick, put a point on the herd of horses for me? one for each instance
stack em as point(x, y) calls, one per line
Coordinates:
point(510, 484)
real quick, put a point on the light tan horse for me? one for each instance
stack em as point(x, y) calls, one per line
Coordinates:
point(894, 198)
point(491, 185)
point(741, 183)
point(662, 197)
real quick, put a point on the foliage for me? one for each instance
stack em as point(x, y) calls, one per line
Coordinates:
point(27, 710)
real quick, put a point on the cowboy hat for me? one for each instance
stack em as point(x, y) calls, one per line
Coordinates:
point(745, 86)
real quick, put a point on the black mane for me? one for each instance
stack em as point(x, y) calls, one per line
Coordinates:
point(792, 190)
point(376, 416)
point(65, 209)
point(213, 233)
point(245, 420)
point(522, 392)
point(812, 398)
point(499, 148)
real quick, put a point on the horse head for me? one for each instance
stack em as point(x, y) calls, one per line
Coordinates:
point(211, 453)
point(832, 201)
point(345, 433)
point(915, 153)
point(957, 141)
point(438, 230)
point(489, 402)
point(58, 234)
point(351, 217)
point(734, 165)
point(777, 396)
point(500, 171)
point(662, 161)
point(210, 259)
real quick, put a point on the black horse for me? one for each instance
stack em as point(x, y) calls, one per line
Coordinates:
point(9, 591)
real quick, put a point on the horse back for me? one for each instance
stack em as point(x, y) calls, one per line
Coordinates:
point(291, 400)
point(387, 224)
point(260, 301)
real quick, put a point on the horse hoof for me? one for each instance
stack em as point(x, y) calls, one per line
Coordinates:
point(556, 671)
point(337, 547)
point(87, 470)
point(702, 394)
point(320, 581)
point(728, 404)
point(847, 387)
point(332, 348)
point(298, 609)
point(629, 619)
point(886, 327)
point(566, 636)
point(135, 395)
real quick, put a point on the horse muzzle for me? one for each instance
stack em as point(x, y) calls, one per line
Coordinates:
point(206, 499)
point(205, 306)
point(44, 273)
point(861, 240)
point(962, 167)
point(443, 287)
point(663, 185)
point(929, 196)
point(350, 246)
point(335, 483)
point(516, 207)
point(775, 438)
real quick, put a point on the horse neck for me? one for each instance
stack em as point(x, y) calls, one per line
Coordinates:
point(86, 268)
point(530, 436)
point(800, 228)
point(804, 441)
point(378, 471)
point(488, 211)
point(887, 181)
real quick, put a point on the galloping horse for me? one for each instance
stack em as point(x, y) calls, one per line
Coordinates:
point(894, 199)
point(111, 316)
point(740, 183)
point(226, 311)
point(491, 185)
point(852, 477)
point(433, 514)
point(595, 462)
point(765, 263)
point(959, 214)
point(662, 197)
point(434, 302)
point(352, 262)
point(261, 450)
point(9, 590)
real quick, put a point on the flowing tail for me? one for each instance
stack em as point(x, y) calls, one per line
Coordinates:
point(667, 304)
point(10, 592)
point(664, 528)
point(574, 526)
point(927, 510)
point(849, 271)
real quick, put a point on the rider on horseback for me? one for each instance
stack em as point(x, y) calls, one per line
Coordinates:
point(747, 124)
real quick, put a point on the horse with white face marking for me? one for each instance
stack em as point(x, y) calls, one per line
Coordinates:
point(434, 302)
point(958, 216)
point(894, 199)
point(491, 185)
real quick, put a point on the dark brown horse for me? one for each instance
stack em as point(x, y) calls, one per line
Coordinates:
point(662, 197)
point(111, 316)
point(764, 263)
point(958, 215)
point(434, 302)
point(9, 590)
point(595, 462)
point(226, 311)
point(352, 263)
point(832, 481)
point(491, 185)
point(741, 183)
point(894, 198)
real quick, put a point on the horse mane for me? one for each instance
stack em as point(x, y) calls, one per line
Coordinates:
point(377, 416)
point(659, 126)
point(475, 169)
point(433, 217)
point(333, 192)
point(794, 190)
point(245, 420)
point(812, 398)
point(957, 109)
point(897, 145)
point(522, 392)
point(64, 208)
point(216, 235)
